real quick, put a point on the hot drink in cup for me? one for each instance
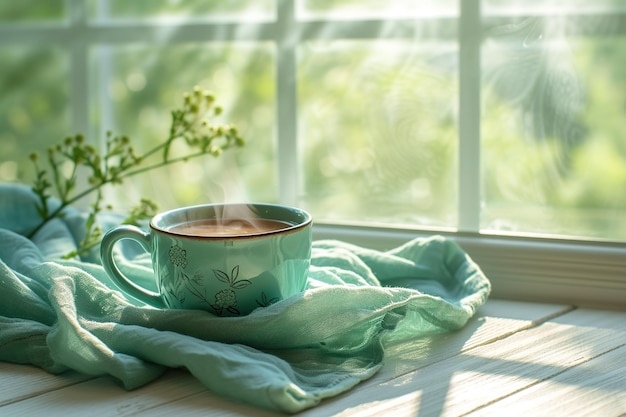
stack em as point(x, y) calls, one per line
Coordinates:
point(228, 259)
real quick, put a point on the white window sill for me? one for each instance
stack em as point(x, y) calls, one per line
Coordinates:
point(589, 274)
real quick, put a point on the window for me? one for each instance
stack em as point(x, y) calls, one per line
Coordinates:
point(497, 123)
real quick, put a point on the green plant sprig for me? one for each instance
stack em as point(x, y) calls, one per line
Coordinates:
point(190, 124)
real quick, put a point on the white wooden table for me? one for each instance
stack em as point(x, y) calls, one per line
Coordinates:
point(512, 359)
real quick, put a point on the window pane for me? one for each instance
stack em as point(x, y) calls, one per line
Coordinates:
point(31, 11)
point(138, 85)
point(379, 132)
point(182, 10)
point(34, 106)
point(554, 153)
point(350, 9)
point(550, 6)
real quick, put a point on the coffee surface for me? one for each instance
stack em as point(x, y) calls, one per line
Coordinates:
point(228, 227)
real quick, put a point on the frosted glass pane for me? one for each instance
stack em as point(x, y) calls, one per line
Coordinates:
point(161, 10)
point(554, 153)
point(34, 106)
point(378, 127)
point(350, 9)
point(137, 86)
point(551, 6)
point(31, 11)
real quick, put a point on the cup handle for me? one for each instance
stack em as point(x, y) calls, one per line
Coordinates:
point(106, 254)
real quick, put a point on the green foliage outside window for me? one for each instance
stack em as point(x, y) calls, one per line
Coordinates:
point(377, 123)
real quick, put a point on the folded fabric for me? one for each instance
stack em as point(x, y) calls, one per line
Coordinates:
point(67, 314)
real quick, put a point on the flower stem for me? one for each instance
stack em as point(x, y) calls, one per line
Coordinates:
point(119, 161)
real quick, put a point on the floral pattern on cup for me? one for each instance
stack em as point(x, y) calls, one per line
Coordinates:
point(265, 301)
point(225, 300)
point(178, 256)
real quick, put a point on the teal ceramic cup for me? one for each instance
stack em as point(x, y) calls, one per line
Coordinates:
point(228, 259)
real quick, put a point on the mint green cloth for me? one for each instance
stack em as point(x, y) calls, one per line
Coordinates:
point(61, 315)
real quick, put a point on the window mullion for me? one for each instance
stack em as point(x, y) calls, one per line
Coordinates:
point(104, 61)
point(78, 73)
point(79, 87)
point(469, 194)
point(286, 102)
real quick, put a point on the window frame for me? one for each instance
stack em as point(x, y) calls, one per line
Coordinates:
point(583, 272)
point(523, 268)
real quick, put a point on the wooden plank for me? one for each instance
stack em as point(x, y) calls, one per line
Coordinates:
point(594, 388)
point(496, 319)
point(104, 397)
point(178, 393)
point(20, 382)
point(490, 372)
point(206, 404)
